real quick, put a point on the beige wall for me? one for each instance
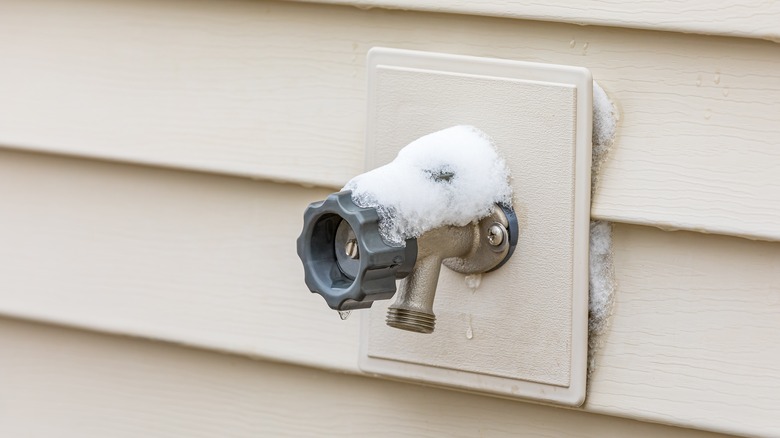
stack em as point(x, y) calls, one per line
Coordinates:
point(208, 260)
point(276, 90)
point(68, 383)
point(222, 118)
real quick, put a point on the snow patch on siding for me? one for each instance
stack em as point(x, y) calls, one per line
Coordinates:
point(601, 269)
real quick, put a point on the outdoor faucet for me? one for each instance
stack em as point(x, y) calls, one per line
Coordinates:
point(346, 260)
point(445, 199)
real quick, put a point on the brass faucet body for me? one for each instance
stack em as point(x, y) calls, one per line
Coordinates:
point(475, 248)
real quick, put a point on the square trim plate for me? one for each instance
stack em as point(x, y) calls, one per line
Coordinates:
point(522, 332)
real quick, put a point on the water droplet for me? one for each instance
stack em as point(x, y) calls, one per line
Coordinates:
point(344, 314)
point(725, 91)
point(698, 81)
point(572, 44)
point(469, 330)
point(585, 47)
point(473, 281)
point(717, 78)
point(707, 114)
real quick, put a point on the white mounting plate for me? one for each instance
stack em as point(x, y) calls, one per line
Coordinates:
point(523, 332)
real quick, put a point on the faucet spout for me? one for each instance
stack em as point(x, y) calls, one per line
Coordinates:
point(471, 249)
point(413, 307)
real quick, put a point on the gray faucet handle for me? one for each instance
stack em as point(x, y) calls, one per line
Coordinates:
point(344, 257)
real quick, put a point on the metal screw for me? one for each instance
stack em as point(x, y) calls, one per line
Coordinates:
point(351, 248)
point(495, 235)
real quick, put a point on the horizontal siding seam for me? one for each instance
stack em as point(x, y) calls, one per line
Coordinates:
point(520, 11)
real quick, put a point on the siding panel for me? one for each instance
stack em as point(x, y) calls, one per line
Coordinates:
point(693, 337)
point(751, 19)
point(63, 383)
point(203, 260)
point(209, 261)
point(276, 91)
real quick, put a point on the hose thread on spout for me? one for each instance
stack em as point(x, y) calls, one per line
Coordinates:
point(411, 320)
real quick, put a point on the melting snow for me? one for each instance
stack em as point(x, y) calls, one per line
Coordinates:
point(450, 177)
